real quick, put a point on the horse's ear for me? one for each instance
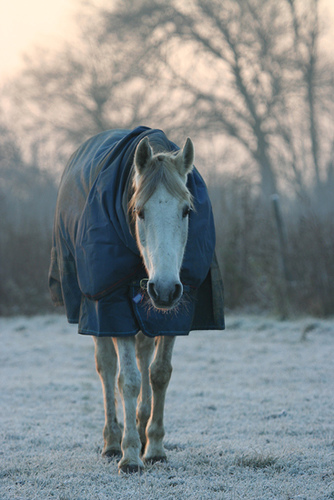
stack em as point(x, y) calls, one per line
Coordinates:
point(143, 154)
point(185, 158)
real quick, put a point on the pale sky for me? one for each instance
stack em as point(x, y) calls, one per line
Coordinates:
point(27, 23)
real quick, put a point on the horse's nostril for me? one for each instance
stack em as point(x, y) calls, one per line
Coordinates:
point(152, 291)
point(177, 292)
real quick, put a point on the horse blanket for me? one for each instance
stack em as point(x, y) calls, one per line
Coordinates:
point(96, 270)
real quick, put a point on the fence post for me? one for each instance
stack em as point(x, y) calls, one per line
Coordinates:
point(283, 251)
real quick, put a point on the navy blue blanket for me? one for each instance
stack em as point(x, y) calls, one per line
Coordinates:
point(96, 267)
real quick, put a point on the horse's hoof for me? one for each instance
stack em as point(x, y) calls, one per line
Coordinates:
point(130, 469)
point(112, 453)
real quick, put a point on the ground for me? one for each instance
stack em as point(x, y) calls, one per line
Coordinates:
point(249, 414)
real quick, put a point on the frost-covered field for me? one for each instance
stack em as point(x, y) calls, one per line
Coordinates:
point(249, 414)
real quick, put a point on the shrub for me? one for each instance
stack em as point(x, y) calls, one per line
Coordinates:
point(250, 254)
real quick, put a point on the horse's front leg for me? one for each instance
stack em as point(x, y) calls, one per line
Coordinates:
point(106, 364)
point(144, 351)
point(160, 373)
point(129, 387)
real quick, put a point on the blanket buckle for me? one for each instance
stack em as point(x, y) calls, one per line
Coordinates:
point(143, 283)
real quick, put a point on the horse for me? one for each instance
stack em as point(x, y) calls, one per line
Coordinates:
point(157, 206)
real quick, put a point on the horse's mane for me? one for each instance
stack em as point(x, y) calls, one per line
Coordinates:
point(162, 170)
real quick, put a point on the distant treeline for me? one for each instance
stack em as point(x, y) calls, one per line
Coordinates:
point(249, 82)
point(263, 269)
point(259, 274)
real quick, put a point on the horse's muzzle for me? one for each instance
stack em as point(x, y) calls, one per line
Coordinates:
point(164, 296)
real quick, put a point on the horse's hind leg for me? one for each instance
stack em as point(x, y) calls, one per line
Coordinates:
point(129, 387)
point(160, 373)
point(106, 365)
point(144, 351)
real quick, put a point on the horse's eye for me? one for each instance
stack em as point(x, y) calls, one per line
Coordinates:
point(186, 211)
point(140, 213)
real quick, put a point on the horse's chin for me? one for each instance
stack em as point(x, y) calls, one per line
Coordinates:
point(165, 308)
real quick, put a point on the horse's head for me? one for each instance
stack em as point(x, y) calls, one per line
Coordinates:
point(161, 203)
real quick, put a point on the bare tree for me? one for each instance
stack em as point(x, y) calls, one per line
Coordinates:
point(63, 97)
point(249, 70)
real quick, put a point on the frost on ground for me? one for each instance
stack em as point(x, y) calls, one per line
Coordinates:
point(249, 414)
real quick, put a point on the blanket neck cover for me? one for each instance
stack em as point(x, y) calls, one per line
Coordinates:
point(96, 266)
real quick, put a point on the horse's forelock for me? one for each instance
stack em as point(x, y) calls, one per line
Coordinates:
point(161, 171)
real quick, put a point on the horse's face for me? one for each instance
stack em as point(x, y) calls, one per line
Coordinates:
point(162, 230)
point(162, 217)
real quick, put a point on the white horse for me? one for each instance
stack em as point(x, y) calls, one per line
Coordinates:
point(161, 203)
